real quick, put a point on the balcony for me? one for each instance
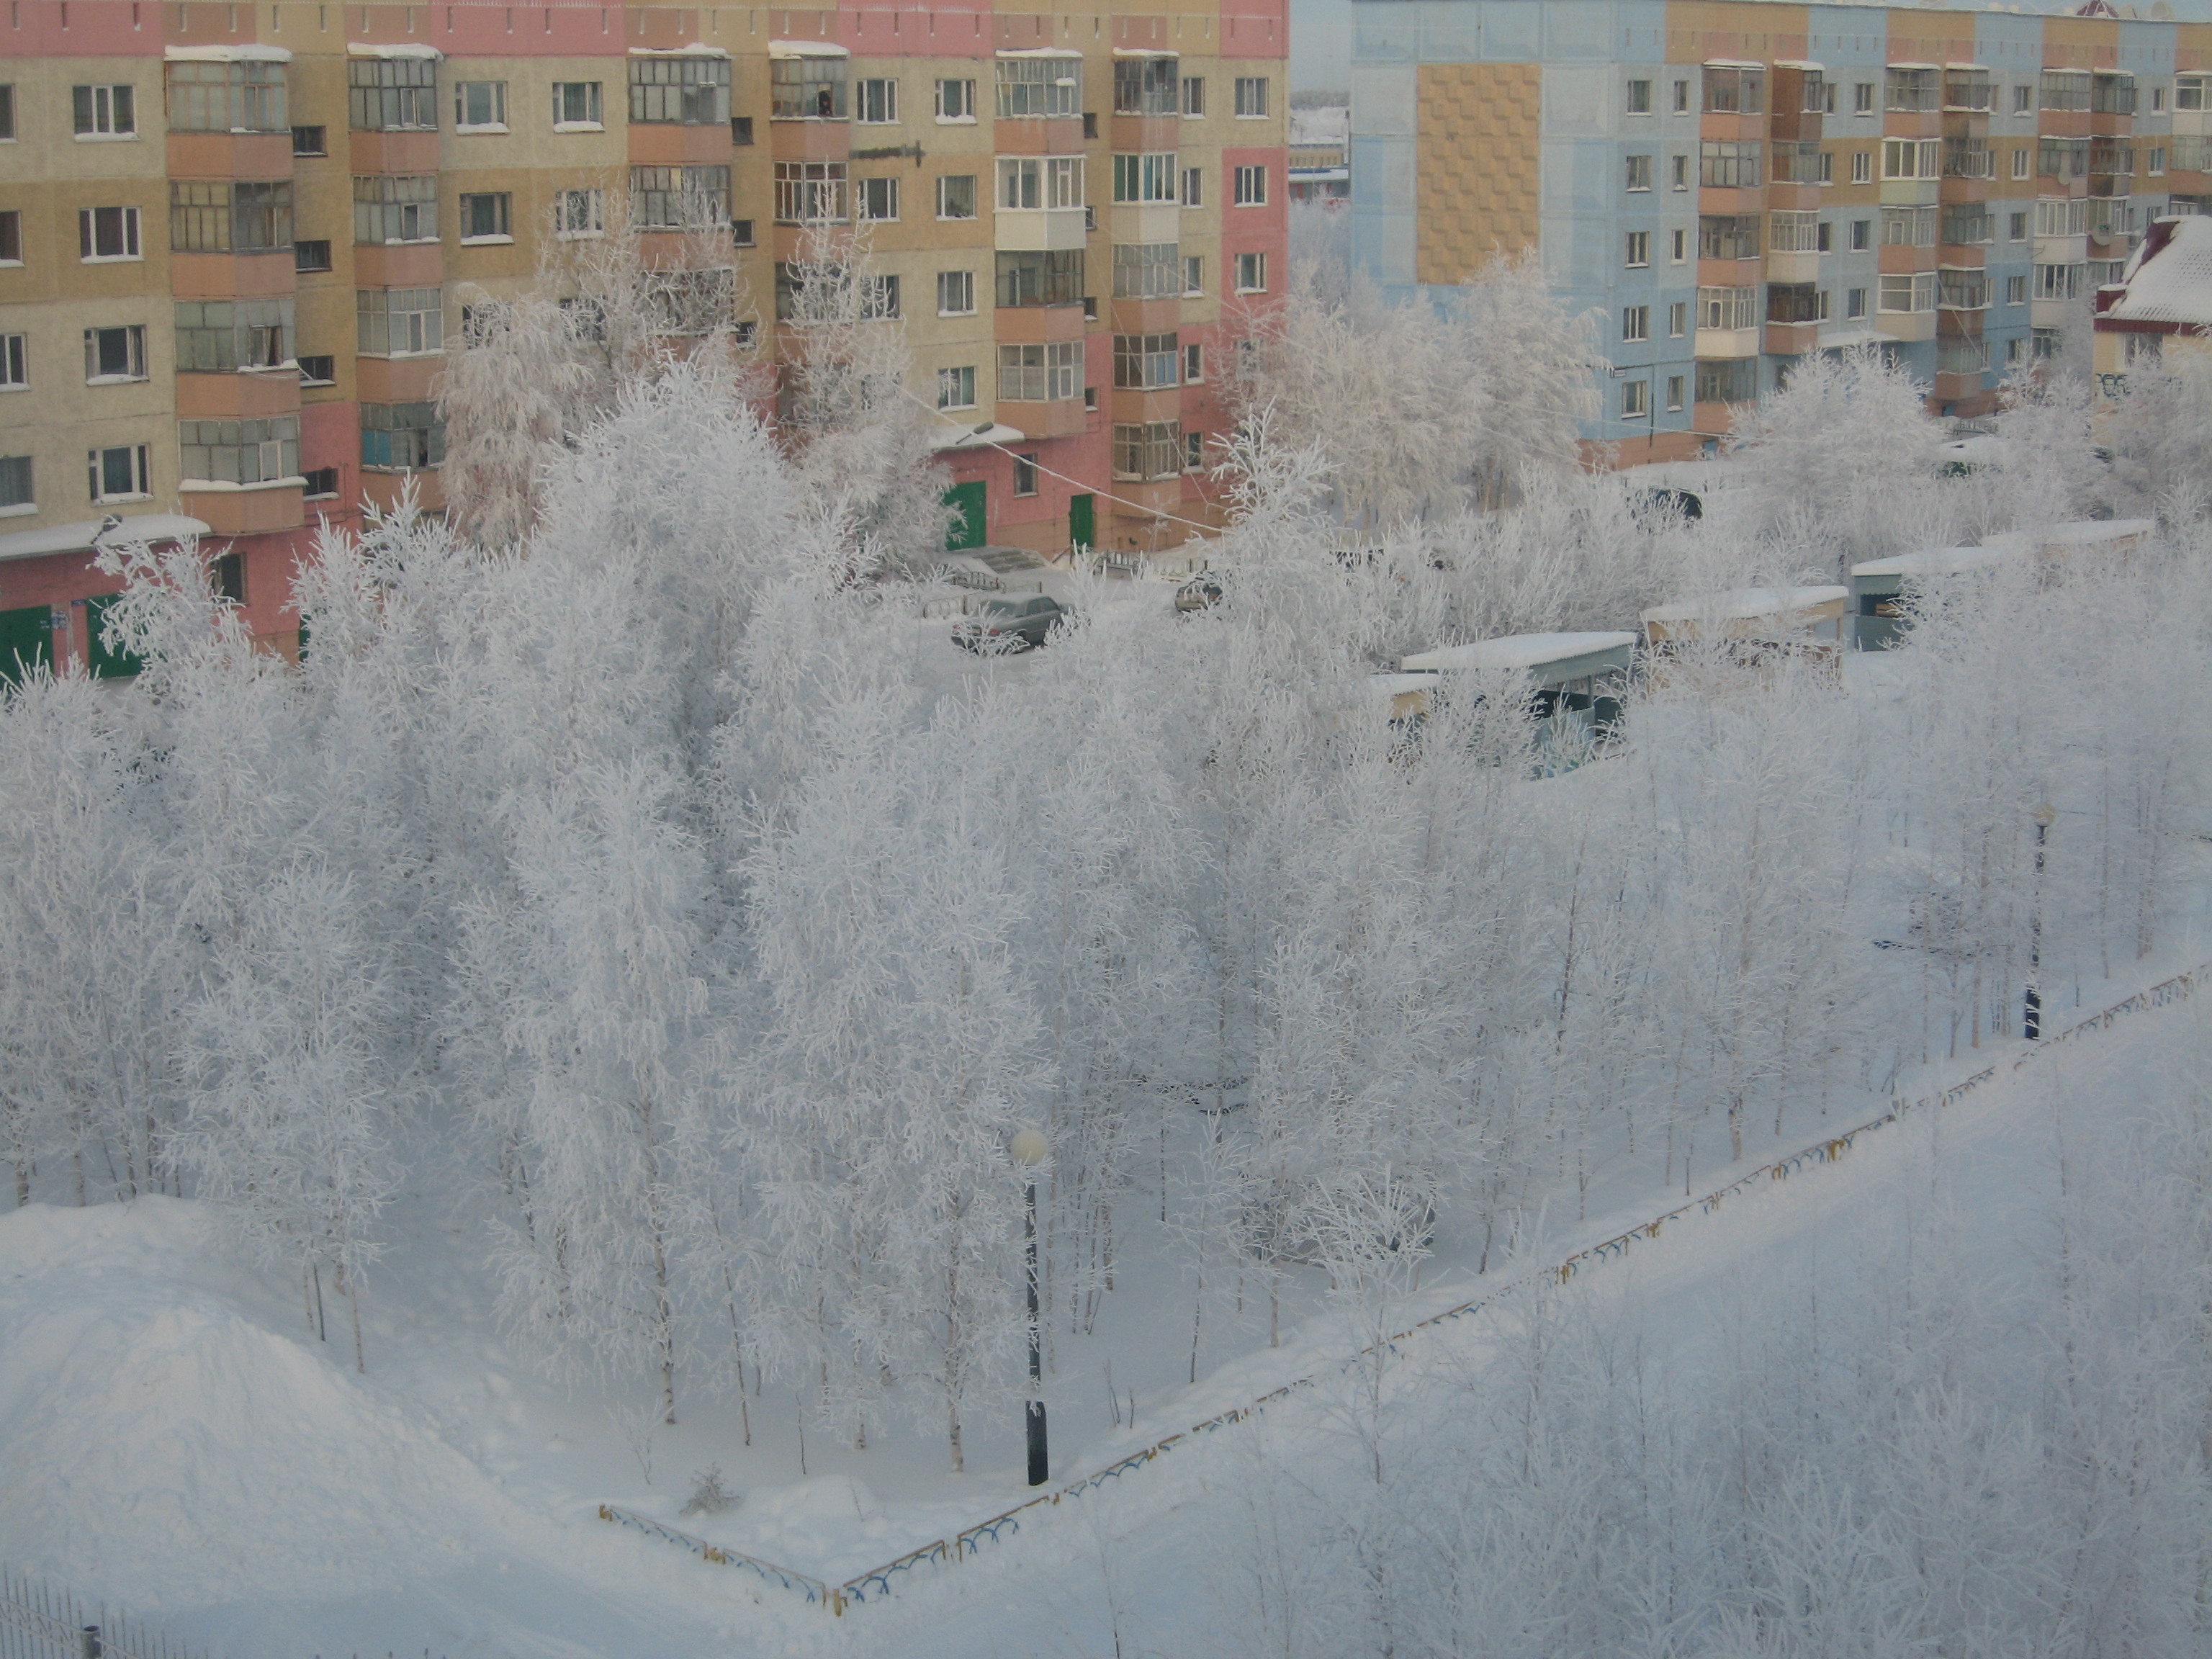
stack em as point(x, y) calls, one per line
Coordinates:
point(1040, 230)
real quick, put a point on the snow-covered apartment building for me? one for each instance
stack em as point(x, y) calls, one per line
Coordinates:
point(235, 239)
point(1732, 184)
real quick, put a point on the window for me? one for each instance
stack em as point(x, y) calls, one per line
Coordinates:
point(1194, 364)
point(1903, 292)
point(956, 101)
point(1056, 181)
point(1911, 158)
point(105, 112)
point(875, 102)
point(1635, 323)
point(1193, 96)
point(1143, 178)
point(1728, 236)
point(1727, 308)
point(809, 193)
point(1041, 374)
point(880, 302)
point(2015, 351)
point(1251, 97)
point(14, 373)
point(242, 451)
point(2154, 162)
point(1639, 98)
point(226, 577)
point(480, 104)
point(1678, 246)
point(578, 213)
point(956, 293)
point(310, 141)
point(486, 217)
point(318, 371)
point(576, 105)
point(2022, 166)
point(877, 199)
point(1854, 303)
point(2058, 281)
point(217, 337)
point(1194, 451)
point(1152, 450)
point(246, 97)
point(1674, 393)
point(1908, 226)
point(1145, 86)
point(1826, 238)
point(236, 218)
point(1193, 181)
point(1635, 399)
point(1681, 97)
point(1640, 173)
point(741, 130)
point(685, 91)
point(1146, 362)
point(2015, 290)
point(2016, 227)
point(1862, 98)
point(392, 94)
point(1251, 186)
point(1040, 279)
point(955, 196)
point(397, 321)
point(108, 232)
point(1251, 273)
point(117, 474)
point(1639, 248)
point(2057, 216)
point(807, 88)
point(1914, 89)
point(113, 354)
point(2188, 92)
point(1794, 233)
point(311, 256)
point(2112, 94)
point(2066, 89)
point(1803, 164)
point(1819, 94)
point(693, 199)
point(955, 387)
point(388, 210)
point(1194, 274)
point(1025, 474)
point(1040, 87)
point(2023, 100)
point(1861, 235)
point(322, 481)
point(7, 112)
point(741, 233)
point(1735, 381)
point(1962, 226)
point(1147, 271)
point(1678, 319)
point(401, 437)
point(1735, 91)
point(1796, 302)
point(1862, 167)
point(1678, 170)
point(16, 479)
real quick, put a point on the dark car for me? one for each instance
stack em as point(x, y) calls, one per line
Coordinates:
point(1200, 593)
point(1021, 623)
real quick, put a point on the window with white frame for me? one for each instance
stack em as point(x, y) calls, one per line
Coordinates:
point(242, 217)
point(1640, 173)
point(1193, 97)
point(955, 196)
point(1041, 182)
point(1152, 449)
point(810, 192)
point(14, 362)
point(1635, 400)
point(1034, 87)
point(109, 112)
point(11, 236)
point(1194, 363)
point(956, 293)
point(577, 106)
point(697, 198)
point(2023, 161)
point(388, 209)
point(1727, 308)
point(1678, 246)
point(227, 97)
point(1862, 166)
point(875, 102)
point(1145, 86)
point(1252, 187)
point(1674, 393)
point(2057, 281)
point(1793, 232)
point(956, 388)
point(1147, 271)
point(1251, 97)
point(118, 473)
point(956, 101)
point(1194, 187)
point(242, 451)
point(397, 322)
point(1638, 101)
point(1635, 323)
point(1145, 178)
point(1638, 248)
point(487, 217)
point(1678, 319)
point(1911, 158)
point(806, 88)
point(880, 299)
point(2015, 290)
point(876, 199)
point(1854, 303)
point(116, 354)
point(108, 233)
point(480, 105)
point(16, 490)
point(217, 337)
point(578, 213)
point(1728, 165)
point(389, 94)
point(1050, 373)
point(1907, 291)
point(401, 437)
point(1146, 362)
point(1908, 226)
point(1251, 273)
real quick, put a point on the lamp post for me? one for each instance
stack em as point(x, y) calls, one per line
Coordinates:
point(1029, 1150)
point(2031, 1015)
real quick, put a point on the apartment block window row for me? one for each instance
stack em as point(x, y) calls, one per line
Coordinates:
point(242, 97)
point(481, 105)
point(401, 437)
point(1041, 374)
point(390, 209)
point(392, 94)
point(807, 88)
point(1907, 292)
point(105, 112)
point(246, 217)
point(242, 451)
point(108, 232)
point(1730, 166)
point(394, 322)
point(1147, 271)
point(1145, 362)
point(1148, 450)
point(683, 91)
point(1051, 181)
point(1727, 308)
point(695, 198)
point(118, 473)
point(1040, 278)
point(1145, 178)
point(112, 355)
point(1145, 86)
point(1040, 87)
point(217, 337)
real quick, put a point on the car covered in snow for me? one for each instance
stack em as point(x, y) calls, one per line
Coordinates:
point(1201, 592)
point(1018, 623)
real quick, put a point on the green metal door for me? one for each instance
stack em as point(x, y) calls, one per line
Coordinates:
point(1082, 520)
point(106, 664)
point(967, 531)
point(27, 640)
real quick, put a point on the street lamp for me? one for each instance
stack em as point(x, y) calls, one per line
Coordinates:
point(2031, 1015)
point(1029, 1150)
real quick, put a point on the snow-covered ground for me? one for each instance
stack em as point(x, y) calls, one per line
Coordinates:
point(170, 1432)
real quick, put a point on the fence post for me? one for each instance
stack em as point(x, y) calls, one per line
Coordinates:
point(87, 1643)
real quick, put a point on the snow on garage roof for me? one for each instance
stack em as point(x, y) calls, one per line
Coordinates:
point(1517, 651)
point(1746, 602)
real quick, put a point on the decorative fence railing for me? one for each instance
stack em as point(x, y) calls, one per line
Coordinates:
point(877, 1583)
point(38, 1622)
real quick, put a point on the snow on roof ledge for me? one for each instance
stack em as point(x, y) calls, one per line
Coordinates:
point(250, 52)
point(968, 438)
point(1039, 51)
point(372, 49)
point(1146, 51)
point(77, 538)
point(1516, 651)
point(806, 49)
point(1937, 561)
point(697, 49)
point(1746, 603)
point(2170, 277)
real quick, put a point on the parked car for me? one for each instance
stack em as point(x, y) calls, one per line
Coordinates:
point(1200, 593)
point(1011, 624)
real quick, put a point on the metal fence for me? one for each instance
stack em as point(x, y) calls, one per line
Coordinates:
point(876, 1584)
point(38, 1622)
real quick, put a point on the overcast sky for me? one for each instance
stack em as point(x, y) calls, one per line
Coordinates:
point(1320, 44)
